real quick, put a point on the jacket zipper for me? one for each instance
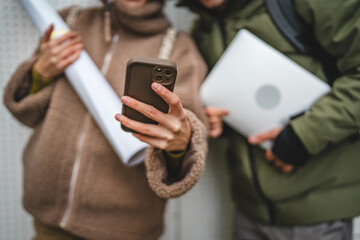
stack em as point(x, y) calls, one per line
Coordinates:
point(223, 33)
point(255, 178)
point(76, 167)
point(258, 188)
point(75, 172)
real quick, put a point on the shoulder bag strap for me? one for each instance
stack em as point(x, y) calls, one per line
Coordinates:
point(300, 35)
point(72, 15)
point(167, 43)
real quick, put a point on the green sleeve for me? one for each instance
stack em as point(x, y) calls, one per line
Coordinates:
point(38, 82)
point(335, 116)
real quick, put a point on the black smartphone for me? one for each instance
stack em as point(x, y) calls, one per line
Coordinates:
point(141, 72)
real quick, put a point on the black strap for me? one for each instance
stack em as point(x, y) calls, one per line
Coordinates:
point(300, 35)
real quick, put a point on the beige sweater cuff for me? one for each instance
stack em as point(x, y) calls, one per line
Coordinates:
point(193, 163)
point(27, 108)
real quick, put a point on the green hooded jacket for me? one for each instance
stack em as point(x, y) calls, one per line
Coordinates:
point(328, 186)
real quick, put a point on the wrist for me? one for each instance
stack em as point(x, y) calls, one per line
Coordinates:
point(188, 136)
point(38, 82)
point(39, 74)
point(175, 155)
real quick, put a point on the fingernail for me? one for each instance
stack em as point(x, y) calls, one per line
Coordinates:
point(156, 86)
point(125, 100)
point(118, 116)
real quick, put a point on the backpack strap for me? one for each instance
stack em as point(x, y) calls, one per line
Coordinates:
point(167, 43)
point(300, 35)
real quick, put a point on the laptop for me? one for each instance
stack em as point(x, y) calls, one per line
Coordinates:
point(260, 86)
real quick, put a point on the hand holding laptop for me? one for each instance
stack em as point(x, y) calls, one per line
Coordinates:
point(269, 155)
point(215, 116)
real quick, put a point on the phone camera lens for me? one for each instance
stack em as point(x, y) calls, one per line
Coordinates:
point(158, 77)
point(168, 72)
point(158, 69)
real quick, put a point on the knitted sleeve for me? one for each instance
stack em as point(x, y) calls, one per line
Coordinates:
point(28, 109)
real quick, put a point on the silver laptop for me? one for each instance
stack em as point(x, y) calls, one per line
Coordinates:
point(260, 87)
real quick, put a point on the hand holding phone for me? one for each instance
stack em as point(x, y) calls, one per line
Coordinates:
point(140, 74)
point(162, 124)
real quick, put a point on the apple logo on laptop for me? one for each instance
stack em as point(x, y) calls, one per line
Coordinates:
point(267, 96)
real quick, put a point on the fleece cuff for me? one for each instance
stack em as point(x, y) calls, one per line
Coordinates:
point(192, 167)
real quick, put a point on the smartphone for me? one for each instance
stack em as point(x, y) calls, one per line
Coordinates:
point(141, 72)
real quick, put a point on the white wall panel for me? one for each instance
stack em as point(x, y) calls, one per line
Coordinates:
point(17, 40)
point(206, 212)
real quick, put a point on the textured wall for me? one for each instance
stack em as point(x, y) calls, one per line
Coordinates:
point(204, 213)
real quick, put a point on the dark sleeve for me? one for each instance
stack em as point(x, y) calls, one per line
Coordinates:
point(289, 148)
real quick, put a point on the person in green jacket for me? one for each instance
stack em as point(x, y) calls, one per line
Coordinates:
point(308, 185)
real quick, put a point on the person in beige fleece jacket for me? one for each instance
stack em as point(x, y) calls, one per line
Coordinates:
point(75, 186)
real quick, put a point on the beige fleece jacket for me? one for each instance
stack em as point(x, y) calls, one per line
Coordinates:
point(105, 200)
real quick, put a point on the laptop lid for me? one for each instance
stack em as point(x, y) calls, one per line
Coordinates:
point(260, 86)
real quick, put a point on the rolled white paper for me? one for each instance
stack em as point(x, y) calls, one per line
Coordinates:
point(93, 89)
